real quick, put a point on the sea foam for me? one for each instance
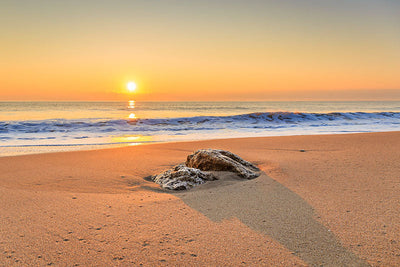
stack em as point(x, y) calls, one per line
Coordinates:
point(88, 131)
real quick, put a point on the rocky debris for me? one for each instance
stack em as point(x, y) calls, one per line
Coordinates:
point(182, 177)
point(221, 160)
point(196, 169)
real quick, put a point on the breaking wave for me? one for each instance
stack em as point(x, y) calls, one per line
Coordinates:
point(267, 121)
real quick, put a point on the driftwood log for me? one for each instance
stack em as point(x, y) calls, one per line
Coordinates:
point(197, 169)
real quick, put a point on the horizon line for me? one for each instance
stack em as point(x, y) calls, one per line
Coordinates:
point(306, 100)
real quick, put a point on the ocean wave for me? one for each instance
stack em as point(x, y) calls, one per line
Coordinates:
point(267, 120)
point(275, 117)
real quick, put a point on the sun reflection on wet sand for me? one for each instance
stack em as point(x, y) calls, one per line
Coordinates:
point(132, 139)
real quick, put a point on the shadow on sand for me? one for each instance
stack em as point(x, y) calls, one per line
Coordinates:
point(270, 208)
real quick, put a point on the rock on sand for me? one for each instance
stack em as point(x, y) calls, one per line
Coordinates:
point(221, 160)
point(195, 170)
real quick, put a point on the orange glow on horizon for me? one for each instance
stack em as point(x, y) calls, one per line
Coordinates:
point(67, 53)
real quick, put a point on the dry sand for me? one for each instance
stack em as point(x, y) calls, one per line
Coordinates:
point(336, 204)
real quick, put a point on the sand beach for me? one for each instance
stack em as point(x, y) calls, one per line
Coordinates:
point(335, 204)
point(278, 121)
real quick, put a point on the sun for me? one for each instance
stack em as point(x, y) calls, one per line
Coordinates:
point(131, 86)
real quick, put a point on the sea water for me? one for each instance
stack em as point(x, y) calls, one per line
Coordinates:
point(35, 127)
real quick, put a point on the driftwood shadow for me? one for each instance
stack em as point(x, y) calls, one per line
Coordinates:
point(270, 208)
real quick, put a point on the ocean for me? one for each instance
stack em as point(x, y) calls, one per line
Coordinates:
point(37, 127)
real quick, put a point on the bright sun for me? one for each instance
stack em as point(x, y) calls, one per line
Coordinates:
point(131, 86)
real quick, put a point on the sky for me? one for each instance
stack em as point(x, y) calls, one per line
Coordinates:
point(200, 50)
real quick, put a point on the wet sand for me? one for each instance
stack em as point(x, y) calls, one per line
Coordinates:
point(336, 204)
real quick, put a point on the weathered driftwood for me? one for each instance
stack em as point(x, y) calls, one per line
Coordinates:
point(181, 177)
point(221, 160)
point(197, 166)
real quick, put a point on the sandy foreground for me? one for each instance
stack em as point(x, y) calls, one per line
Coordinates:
point(336, 204)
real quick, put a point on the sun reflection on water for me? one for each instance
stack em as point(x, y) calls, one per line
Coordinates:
point(132, 116)
point(131, 104)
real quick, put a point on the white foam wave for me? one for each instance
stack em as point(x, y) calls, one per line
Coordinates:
point(268, 123)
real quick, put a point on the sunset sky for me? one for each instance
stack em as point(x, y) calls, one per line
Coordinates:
point(200, 50)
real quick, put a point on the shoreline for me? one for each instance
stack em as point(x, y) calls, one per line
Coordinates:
point(95, 207)
point(80, 147)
